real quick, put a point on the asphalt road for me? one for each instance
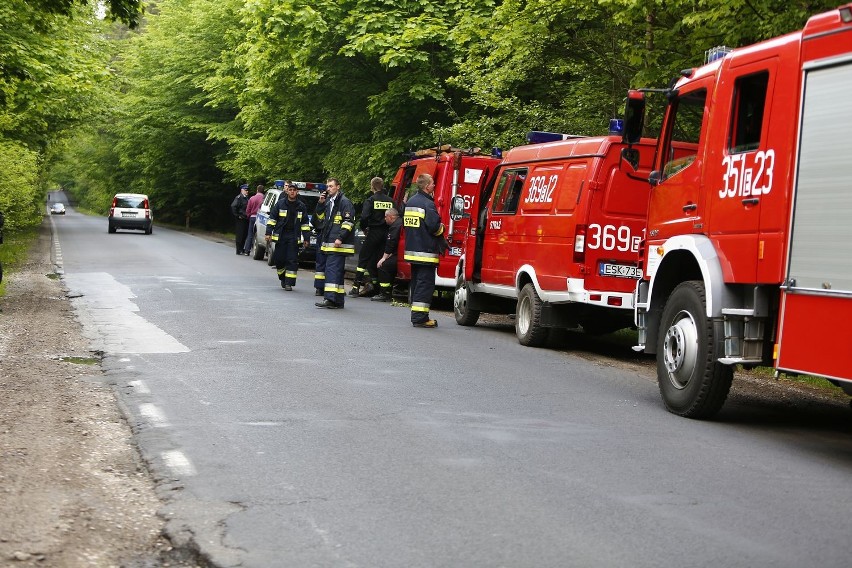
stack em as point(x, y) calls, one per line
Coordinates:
point(285, 435)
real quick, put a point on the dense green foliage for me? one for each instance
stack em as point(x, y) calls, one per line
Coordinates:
point(205, 95)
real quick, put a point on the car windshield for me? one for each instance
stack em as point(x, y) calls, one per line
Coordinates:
point(129, 202)
point(310, 201)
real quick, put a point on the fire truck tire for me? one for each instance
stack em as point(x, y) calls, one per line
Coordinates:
point(257, 250)
point(692, 382)
point(464, 315)
point(528, 326)
point(270, 248)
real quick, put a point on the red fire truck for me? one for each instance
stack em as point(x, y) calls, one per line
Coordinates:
point(456, 172)
point(748, 257)
point(557, 237)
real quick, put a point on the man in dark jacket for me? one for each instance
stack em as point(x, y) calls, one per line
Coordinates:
point(288, 228)
point(338, 242)
point(238, 208)
point(423, 229)
point(386, 265)
point(376, 231)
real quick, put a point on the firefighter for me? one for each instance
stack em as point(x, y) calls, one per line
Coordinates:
point(423, 247)
point(376, 231)
point(288, 228)
point(318, 223)
point(386, 265)
point(338, 242)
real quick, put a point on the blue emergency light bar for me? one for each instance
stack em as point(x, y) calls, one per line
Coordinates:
point(279, 183)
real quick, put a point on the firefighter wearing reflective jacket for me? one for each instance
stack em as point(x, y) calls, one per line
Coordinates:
point(288, 228)
point(338, 242)
point(318, 224)
point(423, 235)
point(376, 231)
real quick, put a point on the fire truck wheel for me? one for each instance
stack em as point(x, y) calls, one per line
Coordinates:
point(464, 315)
point(692, 382)
point(528, 318)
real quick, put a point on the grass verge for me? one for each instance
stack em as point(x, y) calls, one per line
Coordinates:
point(13, 252)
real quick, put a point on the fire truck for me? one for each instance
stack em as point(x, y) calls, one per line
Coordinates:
point(748, 258)
point(456, 173)
point(557, 237)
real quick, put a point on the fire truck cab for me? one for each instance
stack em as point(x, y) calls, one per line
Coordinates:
point(748, 257)
point(557, 237)
point(456, 173)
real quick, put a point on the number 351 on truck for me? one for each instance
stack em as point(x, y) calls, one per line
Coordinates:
point(748, 252)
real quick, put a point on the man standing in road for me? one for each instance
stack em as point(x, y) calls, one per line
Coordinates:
point(423, 231)
point(386, 265)
point(252, 208)
point(288, 228)
point(338, 242)
point(376, 231)
point(238, 208)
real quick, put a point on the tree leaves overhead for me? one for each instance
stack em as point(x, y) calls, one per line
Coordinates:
point(210, 94)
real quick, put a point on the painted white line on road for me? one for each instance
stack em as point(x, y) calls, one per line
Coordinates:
point(176, 461)
point(110, 319)
point(140, 387)
point(153, 415)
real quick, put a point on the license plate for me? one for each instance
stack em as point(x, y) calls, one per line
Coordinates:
point(128, 214)
point(618, 270)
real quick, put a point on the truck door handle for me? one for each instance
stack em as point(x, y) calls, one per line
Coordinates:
point(751, 201)
point(690, 207)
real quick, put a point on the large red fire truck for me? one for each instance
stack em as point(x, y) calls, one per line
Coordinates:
point(557, 237)
point(748, 257)
point(456, 172)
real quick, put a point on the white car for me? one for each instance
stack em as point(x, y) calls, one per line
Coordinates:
point(57, 209)
point(131, 211)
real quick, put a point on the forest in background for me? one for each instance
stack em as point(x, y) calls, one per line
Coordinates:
point(186, 99)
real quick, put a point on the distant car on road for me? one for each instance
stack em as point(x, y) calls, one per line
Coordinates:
point(131, 211)
point(57, 209)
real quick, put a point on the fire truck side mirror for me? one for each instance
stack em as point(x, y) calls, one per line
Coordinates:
point(631, 156)
point(634, 117)
point(654, 178)
point(457, 208)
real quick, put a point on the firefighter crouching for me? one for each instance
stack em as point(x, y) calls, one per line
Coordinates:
point(288, 228)
point(338, 242)
point(424, 243)
point(387, 264)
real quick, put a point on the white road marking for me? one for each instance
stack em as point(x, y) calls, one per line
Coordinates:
point(140, 387)
point(176, 461)
point(110, 319)
point(153, 415)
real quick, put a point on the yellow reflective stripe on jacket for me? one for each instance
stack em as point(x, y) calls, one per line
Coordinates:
point(282, 212)
point(270, 223)
point(440, 231)
point(344, 248)
point(274, 237)
point(347, 225)
point(417, 256)
point(306, 227)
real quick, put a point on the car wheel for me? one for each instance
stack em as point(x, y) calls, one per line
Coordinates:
point(464, 315)
point(257, 250)
point(692, 382)
point(111, 229)
point(149, 230)
point(528, 326)
point(270, 252)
